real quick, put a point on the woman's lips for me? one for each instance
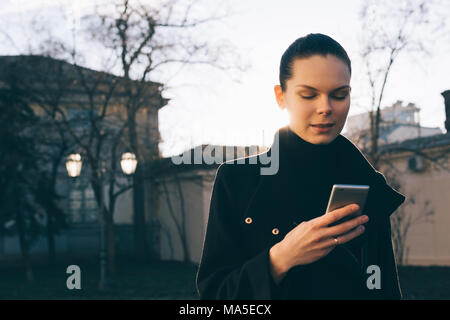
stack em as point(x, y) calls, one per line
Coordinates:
point(322, 128)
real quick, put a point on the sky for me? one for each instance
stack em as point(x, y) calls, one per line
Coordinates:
point(209, 106)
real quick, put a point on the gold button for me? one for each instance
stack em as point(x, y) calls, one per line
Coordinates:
point(248, 220)
point(275, 231)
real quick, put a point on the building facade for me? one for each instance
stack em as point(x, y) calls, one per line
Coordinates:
point(93, 106)
point(398, 123)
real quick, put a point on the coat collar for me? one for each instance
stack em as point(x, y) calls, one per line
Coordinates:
point(278, 194)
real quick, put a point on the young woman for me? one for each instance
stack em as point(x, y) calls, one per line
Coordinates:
point(267, 235)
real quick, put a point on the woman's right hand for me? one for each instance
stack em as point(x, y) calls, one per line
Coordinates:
point(313, 239)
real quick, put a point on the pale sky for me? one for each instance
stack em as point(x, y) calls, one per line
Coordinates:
point(215, 109)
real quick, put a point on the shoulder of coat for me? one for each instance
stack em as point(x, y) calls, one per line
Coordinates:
point(240, 169)
point(346, 142)
point(353, 152)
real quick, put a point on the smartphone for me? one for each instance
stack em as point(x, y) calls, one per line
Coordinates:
point(345, 194)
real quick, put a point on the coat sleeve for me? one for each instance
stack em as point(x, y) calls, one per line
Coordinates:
point(225, 270)
point(387, 201)
point(390, 284)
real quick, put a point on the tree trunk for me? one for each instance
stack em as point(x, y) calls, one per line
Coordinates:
point(50, 208)
point(50, 238)
point(375, 119)
point(111, 245)
point(24, 245)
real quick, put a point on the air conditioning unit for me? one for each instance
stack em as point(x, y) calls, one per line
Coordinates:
point(416, 163)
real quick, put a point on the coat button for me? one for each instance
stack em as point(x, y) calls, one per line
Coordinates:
point(248, 220)
point(275, 231)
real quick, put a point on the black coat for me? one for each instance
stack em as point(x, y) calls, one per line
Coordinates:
point(250, 212)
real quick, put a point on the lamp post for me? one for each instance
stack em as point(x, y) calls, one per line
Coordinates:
point(73, 166)
point(103, 277)
point(128, 163)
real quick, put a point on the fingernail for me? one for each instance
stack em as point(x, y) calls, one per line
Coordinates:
point(355, 207)
point(361, 228)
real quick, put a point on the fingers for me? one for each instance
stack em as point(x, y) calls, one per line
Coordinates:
point(336, 215)
point(344, 238)
point(351, 235)
point(346, 226)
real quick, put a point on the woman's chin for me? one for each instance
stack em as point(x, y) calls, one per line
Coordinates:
point(321, 138)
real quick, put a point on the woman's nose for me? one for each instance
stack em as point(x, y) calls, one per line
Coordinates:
point(324, 106)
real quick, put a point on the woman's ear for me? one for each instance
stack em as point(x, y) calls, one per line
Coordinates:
point(279, 96)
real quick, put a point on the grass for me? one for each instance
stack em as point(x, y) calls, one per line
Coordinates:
point(152, 280)
point(169, 280)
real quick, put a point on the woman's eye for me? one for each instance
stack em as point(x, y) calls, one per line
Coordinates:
point(308, 97)
point(340, 97)
point(337, 97)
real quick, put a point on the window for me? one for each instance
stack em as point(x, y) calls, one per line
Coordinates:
point(83, 206)
point(81, 118)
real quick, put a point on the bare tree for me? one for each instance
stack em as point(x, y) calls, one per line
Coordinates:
point(80, 106)
point(19, 169)
point(389, 32)
point(143, 39)
point(137, 41)
point(178, 214)
point(401, 220)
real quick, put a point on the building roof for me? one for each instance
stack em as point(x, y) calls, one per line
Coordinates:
point(163, 166)
point(387, 130)
point(415, 144)
point(53, 75)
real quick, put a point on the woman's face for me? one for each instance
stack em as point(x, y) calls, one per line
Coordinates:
point(316, 96)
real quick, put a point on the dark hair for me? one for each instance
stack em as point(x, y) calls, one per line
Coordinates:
point(307, 46)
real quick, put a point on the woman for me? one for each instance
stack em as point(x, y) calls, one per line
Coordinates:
point(267, 235)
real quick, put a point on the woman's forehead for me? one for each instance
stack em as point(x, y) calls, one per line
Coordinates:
point(320, 72)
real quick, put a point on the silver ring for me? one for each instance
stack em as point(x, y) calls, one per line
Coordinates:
point(336, 240)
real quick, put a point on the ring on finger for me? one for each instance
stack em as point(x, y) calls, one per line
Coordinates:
point(336, 240)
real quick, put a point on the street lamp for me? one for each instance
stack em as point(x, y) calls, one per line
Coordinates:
point(73, 165)
point(128, 163)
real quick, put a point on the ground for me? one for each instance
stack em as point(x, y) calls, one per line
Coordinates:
point(425, 282)
point(133, 280)
point(169, 280)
